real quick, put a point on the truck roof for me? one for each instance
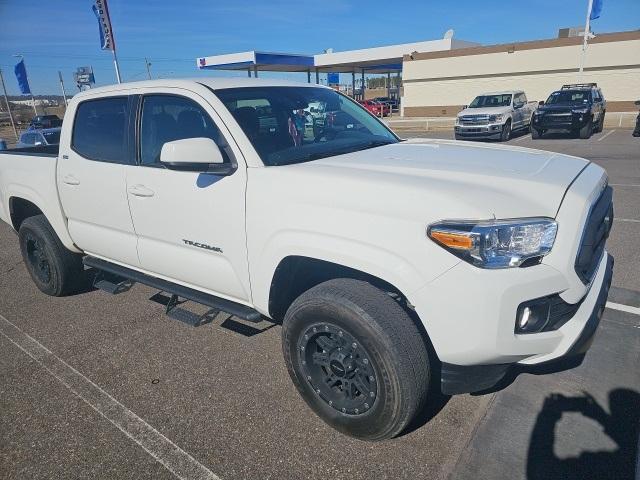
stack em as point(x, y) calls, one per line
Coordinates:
point(213, 83)
point(502, 92)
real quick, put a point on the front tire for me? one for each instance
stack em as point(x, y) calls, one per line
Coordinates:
point(356, 358)
point(506, 131)
point(55, 270)
point(586, 131)
point(535, 133)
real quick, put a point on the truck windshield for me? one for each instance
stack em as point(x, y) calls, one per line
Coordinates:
point(484, 101)
point(568, 96)
point(288, 125)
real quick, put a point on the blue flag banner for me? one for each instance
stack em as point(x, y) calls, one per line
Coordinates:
point(596, 9)
point(101, 11)
point(21, 75)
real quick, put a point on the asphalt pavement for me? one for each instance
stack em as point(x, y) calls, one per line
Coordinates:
point(101, 386)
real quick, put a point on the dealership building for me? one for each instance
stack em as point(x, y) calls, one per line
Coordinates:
point(440, 76)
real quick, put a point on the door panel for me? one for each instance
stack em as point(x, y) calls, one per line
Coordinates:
point(92, 181)
point(190, 225)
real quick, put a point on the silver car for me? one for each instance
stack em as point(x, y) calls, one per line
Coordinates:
point(41, 137)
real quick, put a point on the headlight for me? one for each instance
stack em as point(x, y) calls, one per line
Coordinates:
point(496, 243)
point(496, 118)
point(457, 120)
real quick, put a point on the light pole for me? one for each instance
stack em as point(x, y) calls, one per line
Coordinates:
point(33, 100)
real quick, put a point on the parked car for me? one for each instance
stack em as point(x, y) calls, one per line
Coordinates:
point(376, 108)
point(577, 108)
point(392, 102)
point(45, 121)
point(42, 137)
point(352, 239)
point(494, 116)
point(636, 131)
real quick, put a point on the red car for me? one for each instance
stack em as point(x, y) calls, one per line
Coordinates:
point(377, 108)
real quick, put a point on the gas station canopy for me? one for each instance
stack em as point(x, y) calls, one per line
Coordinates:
point(385, 59)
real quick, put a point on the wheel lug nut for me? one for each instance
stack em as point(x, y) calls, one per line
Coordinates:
point(340, 333)
point(330, 403)
point(371, 379)
point(354, 345)
point(326, 328)
point(306, 337)
point(372, 394)
point(366, 405)
point(357, 411)
point(344, 410)
point(302, 348)
point(315, 329)
point(365, 361)
point(317, 390)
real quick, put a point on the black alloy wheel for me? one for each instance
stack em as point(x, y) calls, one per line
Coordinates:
point(37, 257)
point(338, 368)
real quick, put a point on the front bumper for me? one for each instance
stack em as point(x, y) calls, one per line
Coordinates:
point(457, 379)
point(473, 332)
point(559, 121)
point(479, 131)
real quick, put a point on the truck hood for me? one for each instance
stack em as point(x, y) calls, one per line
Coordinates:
point(484, 111)
point(447, 179)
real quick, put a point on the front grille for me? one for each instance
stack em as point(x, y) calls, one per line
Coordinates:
point(474, 120)
point(558, 117)
point(596, 230)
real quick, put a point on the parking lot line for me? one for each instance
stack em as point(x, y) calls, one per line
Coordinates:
point(623, 308)
point(632, 220)
point(605, 135)
point(167, 453)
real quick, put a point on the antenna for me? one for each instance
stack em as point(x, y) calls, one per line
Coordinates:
point(448, 34)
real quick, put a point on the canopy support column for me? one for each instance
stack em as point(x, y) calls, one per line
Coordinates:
point(363, 85)
point(353, 84)
point(317, 77)
point(308, 76)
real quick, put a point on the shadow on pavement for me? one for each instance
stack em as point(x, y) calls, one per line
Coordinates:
point(621, 424)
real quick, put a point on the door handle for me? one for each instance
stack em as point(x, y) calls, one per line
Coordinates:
point(141, 191)
point(70, 180)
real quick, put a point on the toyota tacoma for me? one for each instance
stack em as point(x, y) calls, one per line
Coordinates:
point(390, 264)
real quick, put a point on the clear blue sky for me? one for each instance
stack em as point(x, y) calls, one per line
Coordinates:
point(63, 34)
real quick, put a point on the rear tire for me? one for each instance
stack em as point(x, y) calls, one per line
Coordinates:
point(356, 358)
point(601, 123)
point(586, 131)
point(55, 270)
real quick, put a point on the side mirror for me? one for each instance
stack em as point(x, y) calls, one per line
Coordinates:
point(541, 103)
point(195, 154)
point(464, 107)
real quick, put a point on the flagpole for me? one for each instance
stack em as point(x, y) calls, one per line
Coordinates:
point(587, 29)
point(6, 99)
point(115, 63)
point(64, 94)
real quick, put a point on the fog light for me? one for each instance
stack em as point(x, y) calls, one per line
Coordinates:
point(524, 318)
point(533, 315)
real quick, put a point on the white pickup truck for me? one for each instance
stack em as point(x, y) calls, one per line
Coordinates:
point(495, 116)
point(390, 264)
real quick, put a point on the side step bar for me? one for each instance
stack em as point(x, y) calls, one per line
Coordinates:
point(231, 307)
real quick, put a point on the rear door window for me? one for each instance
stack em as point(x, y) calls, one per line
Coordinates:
point(100, 130)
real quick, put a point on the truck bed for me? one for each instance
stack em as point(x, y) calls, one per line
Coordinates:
point(41, 151)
